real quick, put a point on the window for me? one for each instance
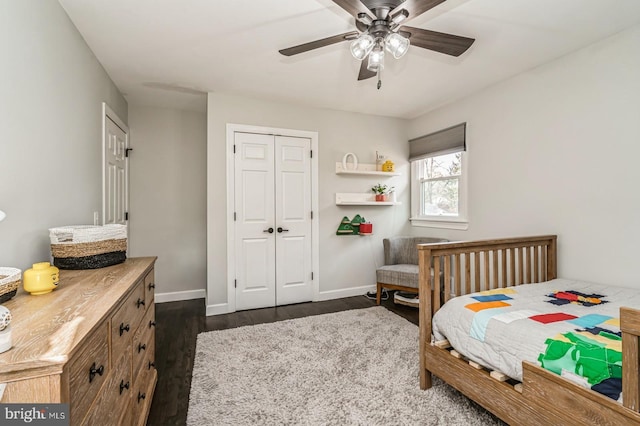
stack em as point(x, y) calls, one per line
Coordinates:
point(438, 180)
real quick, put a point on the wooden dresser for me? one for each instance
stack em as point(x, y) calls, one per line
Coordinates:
point(89, 343)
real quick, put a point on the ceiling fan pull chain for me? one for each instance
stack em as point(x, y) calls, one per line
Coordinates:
point(379, 79)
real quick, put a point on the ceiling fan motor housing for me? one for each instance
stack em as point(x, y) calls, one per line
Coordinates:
point(382, 5)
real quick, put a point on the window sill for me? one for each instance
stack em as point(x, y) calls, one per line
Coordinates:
point(436, 222)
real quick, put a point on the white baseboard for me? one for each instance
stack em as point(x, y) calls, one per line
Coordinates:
point(219, 309)
point(223, 308)
point(177, 296)
point(344, 292)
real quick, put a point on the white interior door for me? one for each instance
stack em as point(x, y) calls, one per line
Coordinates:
point(293, 220)
point(273, 220)
point(115, 172)
point(255, 217)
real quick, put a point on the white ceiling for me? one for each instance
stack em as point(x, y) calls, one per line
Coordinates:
point(167, 52)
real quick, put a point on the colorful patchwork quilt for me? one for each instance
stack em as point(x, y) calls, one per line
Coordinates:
point(569, 327)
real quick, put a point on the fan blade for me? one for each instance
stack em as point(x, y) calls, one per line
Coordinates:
point(319, 43)
point(353, 7)
point(416, 7)
point(364, 72)
point(448, 44)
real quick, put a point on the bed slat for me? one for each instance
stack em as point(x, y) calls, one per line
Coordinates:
point(536, 264)
point(457, 273)
point(495, 268)
point(447, 278)
point(487, 270)
point(520, 254)
point(501, 377)
point(504, 268)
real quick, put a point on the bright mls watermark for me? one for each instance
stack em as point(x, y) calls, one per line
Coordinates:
point(36, 414)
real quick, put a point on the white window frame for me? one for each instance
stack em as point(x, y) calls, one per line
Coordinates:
point(460, 222)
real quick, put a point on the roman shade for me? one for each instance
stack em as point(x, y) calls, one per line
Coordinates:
point(451, 139)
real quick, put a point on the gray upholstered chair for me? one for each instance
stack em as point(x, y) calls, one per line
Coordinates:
point(400, 269)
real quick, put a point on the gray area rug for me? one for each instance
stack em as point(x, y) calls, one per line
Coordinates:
point(357, 367)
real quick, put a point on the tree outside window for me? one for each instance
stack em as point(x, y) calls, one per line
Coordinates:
point(440, 185)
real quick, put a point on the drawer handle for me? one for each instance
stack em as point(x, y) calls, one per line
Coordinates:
point(124, 328)
point(93, 371)
point(142, 347)
point(139, 302)
point(123, 386)
point(141, 396)
point(151, 285)
point(151, 364)
point(152, 324)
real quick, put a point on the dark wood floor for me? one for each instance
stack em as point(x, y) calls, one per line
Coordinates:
point(178, 324)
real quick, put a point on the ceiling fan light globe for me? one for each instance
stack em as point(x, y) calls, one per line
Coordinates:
point(376, 59)
point(362, 46)
point(397, 45)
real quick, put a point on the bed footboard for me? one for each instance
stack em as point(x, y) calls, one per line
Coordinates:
point(630, 327)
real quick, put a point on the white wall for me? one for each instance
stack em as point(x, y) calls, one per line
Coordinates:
point(51, 93)
point(346, 262)
point(168, 197)
point(555, 151)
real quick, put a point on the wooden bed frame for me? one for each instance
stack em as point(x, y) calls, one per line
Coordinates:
point(543, 397)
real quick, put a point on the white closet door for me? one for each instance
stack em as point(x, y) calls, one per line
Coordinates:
point(293, 220)
point(255, 215)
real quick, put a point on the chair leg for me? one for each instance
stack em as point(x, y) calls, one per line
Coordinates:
point(378, 293)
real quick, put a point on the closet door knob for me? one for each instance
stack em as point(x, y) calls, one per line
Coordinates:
point(282, 230)
point(270, 230)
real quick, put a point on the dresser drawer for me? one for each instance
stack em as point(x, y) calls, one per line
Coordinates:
point(144, 344)
point(114, 400)
point(126, 319)
point(87, 372)
point(143, 395)
point(150, 287)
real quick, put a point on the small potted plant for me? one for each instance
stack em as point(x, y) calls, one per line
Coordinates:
point(381, 191)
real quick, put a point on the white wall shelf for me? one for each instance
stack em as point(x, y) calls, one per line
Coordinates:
point(359, 199)
point(363, 170)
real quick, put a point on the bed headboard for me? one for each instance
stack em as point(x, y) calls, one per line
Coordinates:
point(468, 266)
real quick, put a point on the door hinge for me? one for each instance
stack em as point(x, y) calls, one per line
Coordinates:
point(312, 276)
point(311, 152)
point(126, 151)
point(126, 215)
point(234, 148)
point(235, 283)
point(234, 216)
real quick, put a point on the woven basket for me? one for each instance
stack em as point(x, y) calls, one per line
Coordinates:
point(88, 247)
point(10, 279)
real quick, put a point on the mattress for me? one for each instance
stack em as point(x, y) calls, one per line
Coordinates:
point(569, 327)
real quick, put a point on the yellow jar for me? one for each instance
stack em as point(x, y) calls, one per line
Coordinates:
point(388, 166)
point(42, 278)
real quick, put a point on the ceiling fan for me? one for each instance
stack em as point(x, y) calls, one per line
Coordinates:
point(379, 29)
